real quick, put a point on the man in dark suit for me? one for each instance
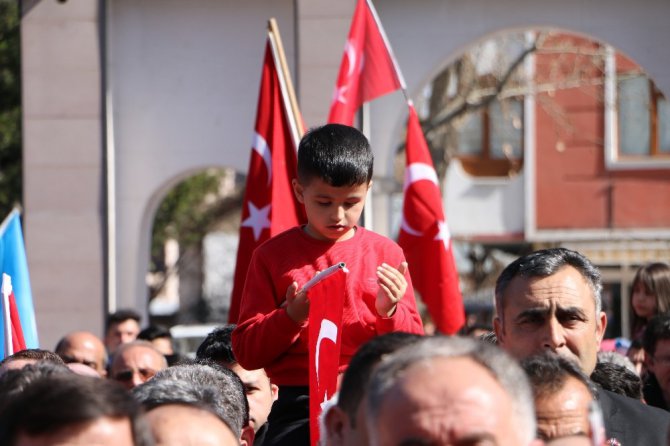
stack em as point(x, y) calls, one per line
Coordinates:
point(550, 300)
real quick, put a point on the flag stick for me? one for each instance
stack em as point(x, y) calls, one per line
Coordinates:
point(284, 75)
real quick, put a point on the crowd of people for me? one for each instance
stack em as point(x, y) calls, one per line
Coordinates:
point(537, 377)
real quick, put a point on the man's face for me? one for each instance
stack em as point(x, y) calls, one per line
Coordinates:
point(260, 393)
point(104, 431)
point(121, 333)
point(332, 212)
point(84, 349)
point(564, 413)
point(195, 426)
point(554, 313)
point(444, 401)
point(136, 365)
point(659, 364)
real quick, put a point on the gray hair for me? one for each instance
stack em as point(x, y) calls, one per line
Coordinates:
point(208, 387)
point(544, 263)
point(504, 369)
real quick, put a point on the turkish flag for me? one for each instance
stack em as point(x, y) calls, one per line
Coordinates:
point(326, 303)
point(14, 341)
point(367, 70)
point(269, 205)
point(424, 235)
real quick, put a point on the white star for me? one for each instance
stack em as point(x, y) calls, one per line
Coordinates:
point(443, 234)
point(258, 219)
point(339, 95)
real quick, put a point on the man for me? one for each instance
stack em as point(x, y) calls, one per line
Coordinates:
point(72, 410)
point(345, 422)
point(84, 348)
point(121, 327)
point(550, 300)
point(656, 342)
point(261, 393)
point(564, 399)
point(135, 363)
point(25, 357)
point(187, 392)
point(444, 391)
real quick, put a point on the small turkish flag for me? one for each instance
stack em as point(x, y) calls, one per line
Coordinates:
point(326, 303)
point(424, 235)
point(14, 341)
point(367, 70)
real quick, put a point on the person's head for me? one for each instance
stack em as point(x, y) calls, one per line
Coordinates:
point(651, 292)
point(160, 337)
point(617, 378)
point(30, 356)
point(550, 300)
point(13, 382)
point(135, 363)
point(84, 348)
point(334, 173)
point(563, 396)
point(72, 409)
point(121, 327)
point(636, 355)
point(345, 422)
point(656, 342)
point(261, 393)
point(445, 390)
point(207, 387)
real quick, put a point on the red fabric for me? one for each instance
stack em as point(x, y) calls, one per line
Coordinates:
point(18, 342)
point(269, 179)
point(425, 238)
point(325, 334)
point(267, 338)
point(367, 70)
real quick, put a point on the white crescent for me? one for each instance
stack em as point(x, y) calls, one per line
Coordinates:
point(408, 229)
point(261, 147)
point(328, 330)
point(350, 52)
point(417, 172)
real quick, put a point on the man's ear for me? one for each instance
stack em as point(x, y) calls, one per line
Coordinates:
point(601, 325)
point(248, 435)
point(498, 329)
point(274, 390)
point(298, 190)
point(336, 420)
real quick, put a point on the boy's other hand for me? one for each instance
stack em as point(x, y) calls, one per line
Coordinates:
point(392, 287)
point(297, 304)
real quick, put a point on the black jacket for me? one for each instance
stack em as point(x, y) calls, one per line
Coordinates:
point(631, 422)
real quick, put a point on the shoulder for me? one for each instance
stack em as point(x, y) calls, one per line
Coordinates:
point(381, 241)
point(631, 412)
point(279, 241)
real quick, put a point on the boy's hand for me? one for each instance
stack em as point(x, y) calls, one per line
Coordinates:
point(392, 287)
point(297, 304)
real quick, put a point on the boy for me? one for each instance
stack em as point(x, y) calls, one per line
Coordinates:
point(334, 175)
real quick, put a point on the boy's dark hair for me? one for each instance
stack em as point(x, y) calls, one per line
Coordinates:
point(548, 373)
point(360, 368)
point(217, 346)
point(122, 315)
point(154, 332)
point(338, 154)
point(618, 379)
point(657, 329)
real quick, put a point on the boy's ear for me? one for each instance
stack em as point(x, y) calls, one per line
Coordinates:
point(298, 190)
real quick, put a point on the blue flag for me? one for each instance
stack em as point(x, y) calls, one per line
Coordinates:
point(14, 263)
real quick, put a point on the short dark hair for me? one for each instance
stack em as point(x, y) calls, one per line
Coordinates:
point(548, 372)
point(544, 263)
point(657, 329)
point(13, 382)
point(217, 346)
point(360, 368)
point(34, 353)
point(53, 402)
point(618, 379)
point(122, 315)
point(338, 154)
point(154, 332)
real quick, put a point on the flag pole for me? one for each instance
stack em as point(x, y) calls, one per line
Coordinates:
point(5, 222)
point(285, 81)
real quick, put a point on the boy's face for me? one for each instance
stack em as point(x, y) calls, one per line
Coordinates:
point(332, 212)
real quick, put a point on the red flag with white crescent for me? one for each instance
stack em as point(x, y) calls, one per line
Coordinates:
point(269, 206)
point(424, 235)
point(367, 70)
point(326, 303)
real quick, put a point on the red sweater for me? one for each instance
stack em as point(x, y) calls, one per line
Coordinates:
point(267, 338)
